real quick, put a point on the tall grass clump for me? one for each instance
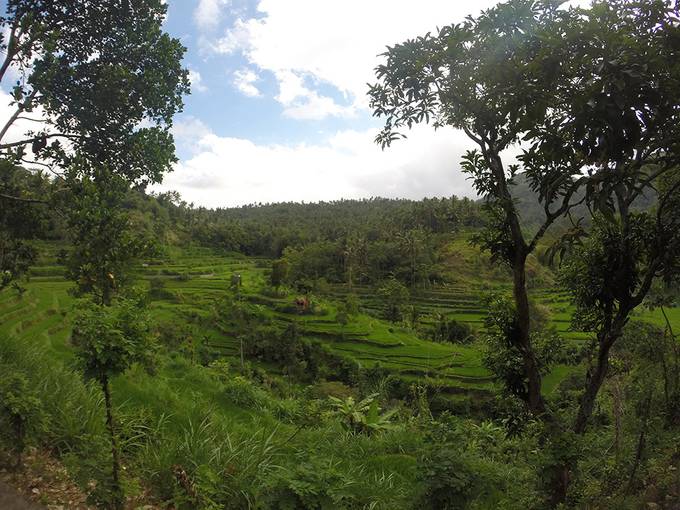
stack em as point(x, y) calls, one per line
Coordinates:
point(210, 465)
point(72, 419)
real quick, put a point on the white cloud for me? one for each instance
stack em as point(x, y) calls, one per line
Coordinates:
point(227, 171)
point(187, 132)
point(315, 107)
point(310, 47)
point(235, 39)
point(336, 42)
point(291, 87)
point(196, 81)
point(244, 81)
point(301, 102)
point(208, 13)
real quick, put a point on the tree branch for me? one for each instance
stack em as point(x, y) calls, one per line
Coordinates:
point(11, 121)
point(23, 200)
point(662, 203)
point(552, 216)
point(647, 182)
point(11, 49)
point(31, 140)
point(48, 167)
point(32, 120)
point(470, 135)
point(15, 115)
point(636, 299)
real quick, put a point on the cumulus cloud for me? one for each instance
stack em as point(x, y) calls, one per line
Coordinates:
point(335, 42)
point(244, 81)
point(196, 81)
point(236, 38)
point(229, 171)
point(313, 106)
point(187, 132)
point(301, 102)
point(322, 55)
point(208, 13)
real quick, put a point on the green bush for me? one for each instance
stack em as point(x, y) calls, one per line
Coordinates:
point(21, 413)
point(71, 415)
point(243, 393)
point(450, 330)
point(314, 483)
point(447, 479)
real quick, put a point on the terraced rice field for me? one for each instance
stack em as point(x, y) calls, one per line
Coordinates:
point(196, 279)
point(40, 315)
point(366, 338)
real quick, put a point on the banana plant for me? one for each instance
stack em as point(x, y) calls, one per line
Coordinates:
point(362, 416)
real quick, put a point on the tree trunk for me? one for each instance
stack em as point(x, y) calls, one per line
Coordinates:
point(644, 422)
point(117, 492)
point(520, 294)
point(594, 381)
point(11, 50)
point(666, 379)
point(672, 384)
point(20, 435)
point(617, 411)
point(535, 399)
point(106, 290)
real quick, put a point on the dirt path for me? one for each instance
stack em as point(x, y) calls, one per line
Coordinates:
point(42, 484)
point(10, 499)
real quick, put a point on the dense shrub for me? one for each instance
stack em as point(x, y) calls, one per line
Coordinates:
point(71, 418)
point(448, 481)
point(451, 330)
point(21, 414)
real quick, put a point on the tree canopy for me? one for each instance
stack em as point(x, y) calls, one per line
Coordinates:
point(489, 76)
point(105, 78)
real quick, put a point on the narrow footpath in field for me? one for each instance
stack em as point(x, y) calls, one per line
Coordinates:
point(10, 499)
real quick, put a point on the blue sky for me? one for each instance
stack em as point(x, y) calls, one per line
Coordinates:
point(278, 109)
point(216, 98)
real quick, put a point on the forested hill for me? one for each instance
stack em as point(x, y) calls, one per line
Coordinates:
point(374, 238)
point(268, 229)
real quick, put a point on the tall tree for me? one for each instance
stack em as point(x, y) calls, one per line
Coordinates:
point(104, 237)
point(413, 244)
point(482, 76)
point(105, 77)
point(619, 108)
point(108, 341)
point(594, 95)
point(354, 254)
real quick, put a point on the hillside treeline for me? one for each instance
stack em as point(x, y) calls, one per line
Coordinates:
point(364, 241)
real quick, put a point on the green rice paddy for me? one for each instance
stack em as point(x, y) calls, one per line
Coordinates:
point(195, 279)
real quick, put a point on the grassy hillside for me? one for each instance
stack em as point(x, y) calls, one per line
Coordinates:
point(195, 279)
point(246, 438)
